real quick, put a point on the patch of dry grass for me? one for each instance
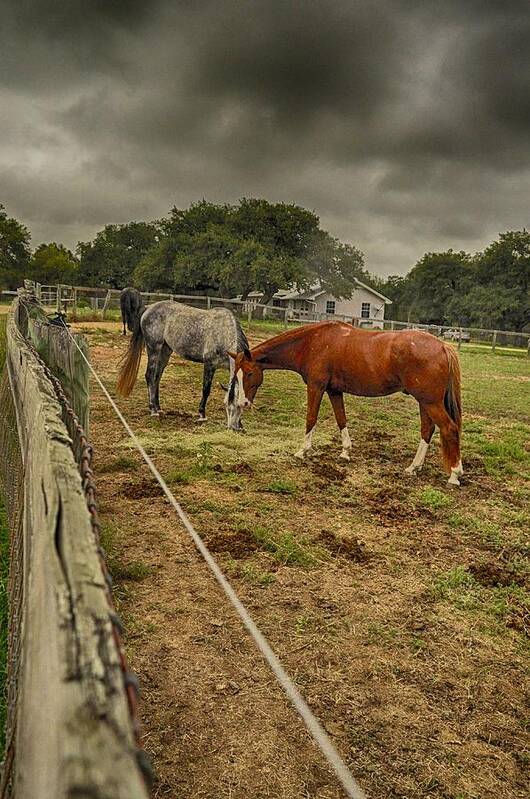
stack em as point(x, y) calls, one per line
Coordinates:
point(406, 627)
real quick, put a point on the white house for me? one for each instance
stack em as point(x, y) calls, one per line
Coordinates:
point(316, 303)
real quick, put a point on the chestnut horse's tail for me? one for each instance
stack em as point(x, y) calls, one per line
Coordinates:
point(453, 397)
point(131, 364)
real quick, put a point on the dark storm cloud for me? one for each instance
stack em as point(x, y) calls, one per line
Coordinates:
point(405, 125)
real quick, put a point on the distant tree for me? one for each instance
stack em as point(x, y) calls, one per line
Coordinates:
point(54, 263)
point(434, 282)
point(335, 266)
point(14, 251)
point(504, 269)
point(483, 306)
point(111, 258)
point(253, 246)
point(401, 290)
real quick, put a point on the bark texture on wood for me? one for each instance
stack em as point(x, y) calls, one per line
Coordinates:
point(74, 735)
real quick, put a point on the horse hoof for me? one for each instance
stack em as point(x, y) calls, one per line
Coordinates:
point(201, 419)
point(411, 470)
point(344, 456)
point(453, 481)
point(155, 414)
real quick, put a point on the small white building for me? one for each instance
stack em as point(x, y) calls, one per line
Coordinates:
point(366, 306)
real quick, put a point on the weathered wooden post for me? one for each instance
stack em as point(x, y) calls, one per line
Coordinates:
point(494, 341)
point(106, 303)
point(249, 314)
point(286, 318)
point(528, 349)
point(208, 303)
point(460, 338)
point(58, 299)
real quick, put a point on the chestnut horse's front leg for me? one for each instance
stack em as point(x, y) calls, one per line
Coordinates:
point(337, 402)
point(315, 393)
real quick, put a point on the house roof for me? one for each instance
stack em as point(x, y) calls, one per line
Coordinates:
point(313, 292)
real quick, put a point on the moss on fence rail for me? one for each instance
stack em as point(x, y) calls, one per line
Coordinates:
point(70, 731)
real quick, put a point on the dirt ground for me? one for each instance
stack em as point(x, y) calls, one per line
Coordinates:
point(399, 606)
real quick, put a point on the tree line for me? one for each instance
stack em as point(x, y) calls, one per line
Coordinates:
point(490, 289)
point(255, 245)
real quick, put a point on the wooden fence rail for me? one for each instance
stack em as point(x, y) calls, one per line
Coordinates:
point(69, 729)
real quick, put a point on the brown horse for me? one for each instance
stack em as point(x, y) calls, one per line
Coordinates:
point(334, 357)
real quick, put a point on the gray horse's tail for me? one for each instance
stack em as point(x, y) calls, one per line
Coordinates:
point(131, 364)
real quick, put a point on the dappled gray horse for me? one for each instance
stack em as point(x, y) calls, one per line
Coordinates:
point(194, 334)
point(131, 304)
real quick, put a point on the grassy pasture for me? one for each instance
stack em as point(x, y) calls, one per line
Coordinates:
point(400, 606)
point(4, 569)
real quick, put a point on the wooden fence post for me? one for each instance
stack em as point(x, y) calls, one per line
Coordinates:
point(208, 302)
point(494, 341)
point(460, 338)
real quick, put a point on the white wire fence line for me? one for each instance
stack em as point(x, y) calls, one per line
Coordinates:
point(335, 761)
point(102, 300)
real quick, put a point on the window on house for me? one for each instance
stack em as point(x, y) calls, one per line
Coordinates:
point(330, 306)
point(365, 310)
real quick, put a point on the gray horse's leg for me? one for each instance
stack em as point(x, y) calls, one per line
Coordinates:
point(162, 363)
point(157, 358)
point(207, 378)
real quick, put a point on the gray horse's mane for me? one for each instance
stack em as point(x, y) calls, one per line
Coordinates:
point(242, 342)
point(242, 346)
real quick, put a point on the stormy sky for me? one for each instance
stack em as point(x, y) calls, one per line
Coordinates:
point(404, 124)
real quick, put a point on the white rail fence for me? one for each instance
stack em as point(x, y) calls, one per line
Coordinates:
point(77, 298)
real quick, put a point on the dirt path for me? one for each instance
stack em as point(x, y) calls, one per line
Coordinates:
point(363, 583)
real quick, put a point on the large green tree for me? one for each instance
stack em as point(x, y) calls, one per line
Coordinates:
point(111, 258)
point(14, 251)
point(54, 263)
point(433, 283)
point(252, 246)
point(504, 270)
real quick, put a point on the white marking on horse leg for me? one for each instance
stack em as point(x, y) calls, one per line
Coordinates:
point(456, 472)
point(419, 457)
point(346, 444)
point(307, 445)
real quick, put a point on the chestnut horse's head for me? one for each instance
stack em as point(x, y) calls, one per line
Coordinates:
point(248, 377)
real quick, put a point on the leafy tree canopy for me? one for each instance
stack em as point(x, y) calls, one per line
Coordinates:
point(54, 263)
point(14, 251)
point(110, 260)
point(252, 246)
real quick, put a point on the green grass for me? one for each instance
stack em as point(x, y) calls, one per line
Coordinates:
point(281, 487)
point(433, 498)
point(4, 569)
point(111, 540)
point(123, 463)
point(3, 322)
point(287, 549)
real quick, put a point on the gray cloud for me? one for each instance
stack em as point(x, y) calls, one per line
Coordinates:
point(404, 125)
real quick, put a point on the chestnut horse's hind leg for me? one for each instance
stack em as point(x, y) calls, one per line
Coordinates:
point(337, 402)
point(450, 436)
point(427, 429)
point(314, 398)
